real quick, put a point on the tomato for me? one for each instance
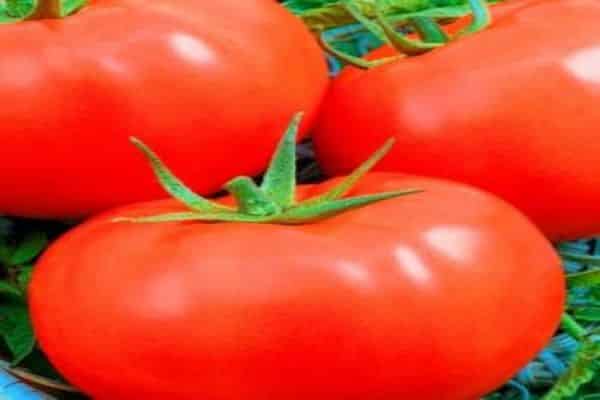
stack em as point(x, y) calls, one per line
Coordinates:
point(510, 110)
point(439, 295)
point(180, 74)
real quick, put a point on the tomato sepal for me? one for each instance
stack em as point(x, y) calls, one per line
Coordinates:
point(173, 185)
point(13, 11)
point(274, 201)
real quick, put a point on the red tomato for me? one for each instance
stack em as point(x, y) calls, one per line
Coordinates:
point(511, 110)
point(220, 77)
point(441, 295)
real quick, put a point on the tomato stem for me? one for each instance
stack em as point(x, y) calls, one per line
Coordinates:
point(482, 18)
point(398, 40)
point(429, 30)
point(275, 200)
point(250, 198)
point(46, 9)
point(355, 61)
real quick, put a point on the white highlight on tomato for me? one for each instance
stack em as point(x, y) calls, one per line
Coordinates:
point(191, 48)
point(455, 242)
point(114, 65)
point(411, 264)
point(585, 64)
point(164, 297)
point(355, 273)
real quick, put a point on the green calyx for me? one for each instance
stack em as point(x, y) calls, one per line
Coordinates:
point(12, 11)
point(431, 35)
point(274, 201)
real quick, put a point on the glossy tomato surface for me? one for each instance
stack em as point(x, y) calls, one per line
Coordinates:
point(208, 84)
point(441, 295)
point(511, 110)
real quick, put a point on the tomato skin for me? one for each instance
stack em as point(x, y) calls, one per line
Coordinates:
point(417, 297)
point(510, 110)
point(205, 83)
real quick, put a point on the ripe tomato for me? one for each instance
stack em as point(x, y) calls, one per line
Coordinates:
point(511, 110)
point(222, 76)
point(441, 295)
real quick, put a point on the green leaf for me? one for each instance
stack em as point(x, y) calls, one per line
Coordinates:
point(588, 314)
point(31, 246)
point(24, 277)
point(591, 296)
point(581, 258)
point(6, 251)
point(8, 289)
point(584, 279)
point(584, 365)
point(16, 330)
point(5, 223)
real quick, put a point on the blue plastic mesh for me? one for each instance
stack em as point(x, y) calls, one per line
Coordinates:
point(13, 389)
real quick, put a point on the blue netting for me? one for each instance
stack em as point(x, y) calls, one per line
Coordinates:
point(13, 389)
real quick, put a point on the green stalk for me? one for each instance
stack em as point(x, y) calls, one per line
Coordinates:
point(482, 18)
point(400, 42)
point(376, 19)
point(429, 30)
point(357, 62)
